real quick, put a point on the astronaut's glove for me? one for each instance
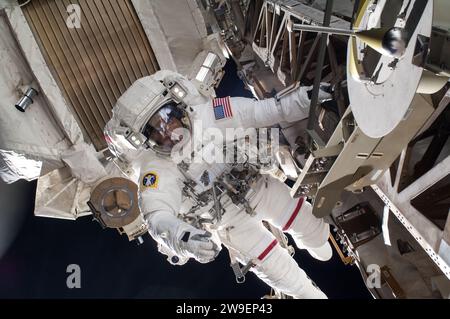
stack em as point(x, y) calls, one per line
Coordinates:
point(295, 106)
point(325, 91)
point(198, 244)
point(181, 238)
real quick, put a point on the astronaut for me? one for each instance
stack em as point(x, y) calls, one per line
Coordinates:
point(192, 208)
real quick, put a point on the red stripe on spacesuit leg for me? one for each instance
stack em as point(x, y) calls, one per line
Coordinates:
point(294, 215)
point(268, 250)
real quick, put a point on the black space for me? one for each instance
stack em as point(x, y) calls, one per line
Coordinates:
point(111, 267)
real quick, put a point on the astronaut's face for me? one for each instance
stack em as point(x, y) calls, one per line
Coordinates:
point(162, 128)
point(167, 138)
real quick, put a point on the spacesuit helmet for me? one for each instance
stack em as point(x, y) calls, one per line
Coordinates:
point(151, 114)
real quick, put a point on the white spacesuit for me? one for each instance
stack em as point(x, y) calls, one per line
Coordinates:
point(193, 208)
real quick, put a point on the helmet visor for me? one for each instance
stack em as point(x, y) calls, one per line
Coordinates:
point(166, 128)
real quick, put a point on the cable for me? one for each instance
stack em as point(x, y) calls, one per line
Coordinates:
point(25, 3)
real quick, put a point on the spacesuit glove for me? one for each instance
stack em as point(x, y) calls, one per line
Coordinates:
point(198, 244)
point(295, 106)
point(325, 90)
point(181, 238)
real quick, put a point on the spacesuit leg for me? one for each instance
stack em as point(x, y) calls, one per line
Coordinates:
point(295, 217)
point(251, 241)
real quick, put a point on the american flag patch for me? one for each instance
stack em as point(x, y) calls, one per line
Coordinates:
point(222, 108)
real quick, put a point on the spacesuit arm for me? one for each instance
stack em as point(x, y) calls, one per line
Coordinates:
point(160, 202)
point(240, 112)
point(251, 113)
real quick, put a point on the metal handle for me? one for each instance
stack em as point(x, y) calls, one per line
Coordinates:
point(320, 29)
